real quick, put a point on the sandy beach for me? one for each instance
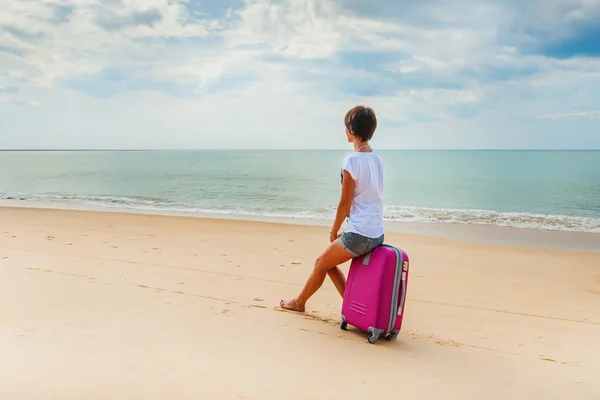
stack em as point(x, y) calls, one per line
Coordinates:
point(127, 306)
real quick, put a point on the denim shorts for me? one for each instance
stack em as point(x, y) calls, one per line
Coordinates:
point(357, 245)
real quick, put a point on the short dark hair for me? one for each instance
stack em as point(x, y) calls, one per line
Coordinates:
point(362, 122)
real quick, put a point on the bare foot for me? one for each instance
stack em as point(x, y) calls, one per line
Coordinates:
point(291, 305)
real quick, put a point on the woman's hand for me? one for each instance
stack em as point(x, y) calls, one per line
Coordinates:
point(333, 236)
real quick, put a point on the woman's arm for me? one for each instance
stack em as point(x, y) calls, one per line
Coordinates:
point(344, 205)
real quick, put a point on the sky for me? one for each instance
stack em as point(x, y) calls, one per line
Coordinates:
point(192, 74)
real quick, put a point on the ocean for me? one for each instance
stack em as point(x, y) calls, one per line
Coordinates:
point(554, 190)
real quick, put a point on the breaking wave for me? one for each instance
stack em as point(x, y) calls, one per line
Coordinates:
point(393, 213)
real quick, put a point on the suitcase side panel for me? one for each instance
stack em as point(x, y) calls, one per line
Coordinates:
point(386, 260)
point(402, 292)
point(366, 287)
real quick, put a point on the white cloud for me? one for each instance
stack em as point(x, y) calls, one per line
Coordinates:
point(571, 114)
point(97, 35)
point(294, 28)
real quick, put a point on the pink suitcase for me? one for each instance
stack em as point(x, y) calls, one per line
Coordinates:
point(376, 292)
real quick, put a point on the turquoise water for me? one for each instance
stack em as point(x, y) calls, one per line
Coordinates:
point(557, 190)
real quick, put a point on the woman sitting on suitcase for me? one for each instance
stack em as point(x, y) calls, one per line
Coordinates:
point(361, 203)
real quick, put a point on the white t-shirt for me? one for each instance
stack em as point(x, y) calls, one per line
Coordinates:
point(366, 212)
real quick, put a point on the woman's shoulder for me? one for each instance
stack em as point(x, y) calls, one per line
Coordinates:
point(358, 157)
point(351, 157)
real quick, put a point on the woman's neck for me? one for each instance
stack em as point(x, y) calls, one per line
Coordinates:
point(362, 146)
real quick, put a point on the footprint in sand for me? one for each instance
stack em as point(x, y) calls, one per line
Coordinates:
point(258, 299)
point(49, 237)
point(68, 244)
point(446, 343)
point(544, 358)
point(295, 263)
point(256, 306)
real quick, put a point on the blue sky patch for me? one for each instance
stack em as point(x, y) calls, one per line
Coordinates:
point(191, 42)
point(204, 9)
point(9, 89)
point(563, 37)
point(368, 60)
point(61, 13)
point(112, 81)
point(22, 34)
point(230, 82)
point(585, 43)
point(492, 72)
point(12, 50)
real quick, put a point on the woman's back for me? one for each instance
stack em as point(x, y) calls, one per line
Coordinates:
point(366, 212)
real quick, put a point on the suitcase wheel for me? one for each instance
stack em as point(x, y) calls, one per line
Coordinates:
point(374, 334)
point(391, 336)
point(344, 326)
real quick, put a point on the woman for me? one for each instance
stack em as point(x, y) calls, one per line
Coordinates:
point(361, 202)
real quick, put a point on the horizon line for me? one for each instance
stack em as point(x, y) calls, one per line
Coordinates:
point(287, 149)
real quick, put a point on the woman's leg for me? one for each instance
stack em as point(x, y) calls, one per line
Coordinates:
point(339, 280)
point(333, 256)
